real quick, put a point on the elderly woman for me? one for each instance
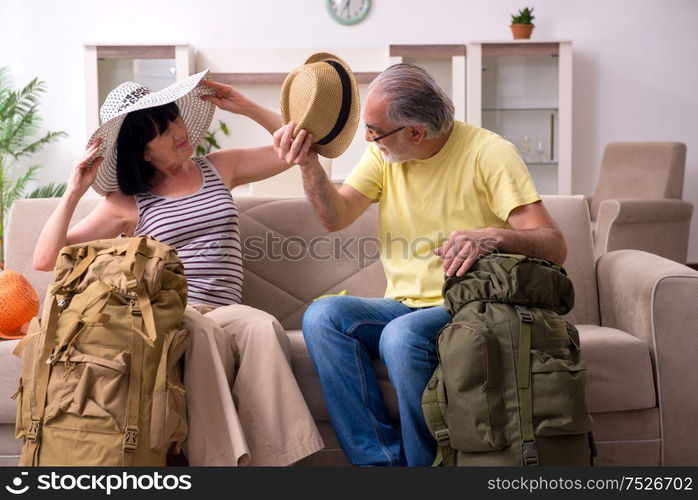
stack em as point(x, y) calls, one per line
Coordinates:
point(244, 405)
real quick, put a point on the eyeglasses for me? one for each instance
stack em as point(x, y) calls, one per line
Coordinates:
point(381, 137)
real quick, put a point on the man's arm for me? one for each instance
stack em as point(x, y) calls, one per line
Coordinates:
point(534, 234)
point(336, 208)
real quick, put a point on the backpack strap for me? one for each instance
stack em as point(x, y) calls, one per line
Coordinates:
point(133, 268)
point(529, 450)
point(88, 255)
point(134, 401)
point(436, 422)
point(41, 375)
point(142, 318)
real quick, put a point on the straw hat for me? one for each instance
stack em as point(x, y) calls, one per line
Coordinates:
point(129, 96)
point(322, 97)
point(18, 303)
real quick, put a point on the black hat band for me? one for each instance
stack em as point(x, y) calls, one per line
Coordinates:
point(346, 104)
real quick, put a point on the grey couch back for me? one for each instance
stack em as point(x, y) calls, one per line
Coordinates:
point(290, 259)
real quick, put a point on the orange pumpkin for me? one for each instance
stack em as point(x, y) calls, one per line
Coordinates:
point(19, 303)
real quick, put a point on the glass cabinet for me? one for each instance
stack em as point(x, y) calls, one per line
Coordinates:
point(523, 91)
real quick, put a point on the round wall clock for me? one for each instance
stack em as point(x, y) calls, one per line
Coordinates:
point(349, 11)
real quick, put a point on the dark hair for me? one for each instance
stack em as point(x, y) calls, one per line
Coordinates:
point(138, 129)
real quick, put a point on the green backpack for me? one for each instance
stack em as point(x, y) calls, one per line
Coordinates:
point(510, 385)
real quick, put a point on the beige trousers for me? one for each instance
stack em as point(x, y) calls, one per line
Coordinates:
point(243, 403)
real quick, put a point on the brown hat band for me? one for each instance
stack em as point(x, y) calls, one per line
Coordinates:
point(346, 104)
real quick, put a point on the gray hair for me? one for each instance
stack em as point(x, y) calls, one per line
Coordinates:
point(414, 98)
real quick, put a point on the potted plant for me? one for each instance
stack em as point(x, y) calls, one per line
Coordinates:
point(522, 24)
point(19, 123)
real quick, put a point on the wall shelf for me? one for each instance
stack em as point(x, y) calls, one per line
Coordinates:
point(237, 79)
point(135, 51)
point(427, 50)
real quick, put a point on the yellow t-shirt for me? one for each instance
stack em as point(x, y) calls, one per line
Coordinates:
point(473, 182)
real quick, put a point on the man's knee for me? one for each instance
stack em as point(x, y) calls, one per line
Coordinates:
point(325, 313)
point(397, 340)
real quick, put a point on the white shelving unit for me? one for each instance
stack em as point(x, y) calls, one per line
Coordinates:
point(523, 91)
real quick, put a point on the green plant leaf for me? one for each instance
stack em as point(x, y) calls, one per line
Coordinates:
point(212, 141)
point(200, 151)
point(20, 125)
point(37, 145)
point(224, 128)
point(523, 17)
point(20, 184)
point(49, 191)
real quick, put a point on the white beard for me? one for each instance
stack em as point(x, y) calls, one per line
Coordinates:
point(393, 157)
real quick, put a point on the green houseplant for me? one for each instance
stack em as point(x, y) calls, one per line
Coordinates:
point(209, 142)
point(19, 140)
point(522, 23)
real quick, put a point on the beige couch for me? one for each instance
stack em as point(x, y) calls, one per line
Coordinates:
point(636, 313)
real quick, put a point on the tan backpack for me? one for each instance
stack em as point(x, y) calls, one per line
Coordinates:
point(101, 381)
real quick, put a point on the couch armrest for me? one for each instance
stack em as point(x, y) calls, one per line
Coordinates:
point(656, 300)
point(656, 226)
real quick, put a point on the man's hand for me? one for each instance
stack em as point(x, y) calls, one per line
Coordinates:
point(462, 249)
point(294, 151)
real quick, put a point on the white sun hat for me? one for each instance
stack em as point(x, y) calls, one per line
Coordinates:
point(130, 96)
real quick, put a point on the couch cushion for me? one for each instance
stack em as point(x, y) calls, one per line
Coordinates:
point(309, 382)
point(619, 370)
point(10, 447)
point(289, 258)
point(571, 213)
point(619, 373)
point(9, 381)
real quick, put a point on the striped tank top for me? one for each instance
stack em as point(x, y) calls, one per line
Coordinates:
point(203, 228)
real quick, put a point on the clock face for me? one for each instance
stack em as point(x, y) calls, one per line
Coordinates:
point(349, 11)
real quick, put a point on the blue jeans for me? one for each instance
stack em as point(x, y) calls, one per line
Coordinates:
point(343, 335)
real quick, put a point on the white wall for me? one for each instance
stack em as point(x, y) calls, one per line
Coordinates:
point(636, 76)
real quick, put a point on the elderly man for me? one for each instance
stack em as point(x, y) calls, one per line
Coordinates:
point(448, 192)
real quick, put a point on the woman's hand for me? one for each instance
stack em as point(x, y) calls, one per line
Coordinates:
point(294, 151)
point(227, 98)
point(85, 170)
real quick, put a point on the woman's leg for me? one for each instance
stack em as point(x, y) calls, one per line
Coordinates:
point(278, 426)
point(215, 434)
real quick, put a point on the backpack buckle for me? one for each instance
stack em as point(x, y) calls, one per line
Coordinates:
point(530, 453)
point(64, 303)
point(442, 436)
point(34, 429)
point(136, 308)
point(131, 438)
point(132, 284)
point(524, 314)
